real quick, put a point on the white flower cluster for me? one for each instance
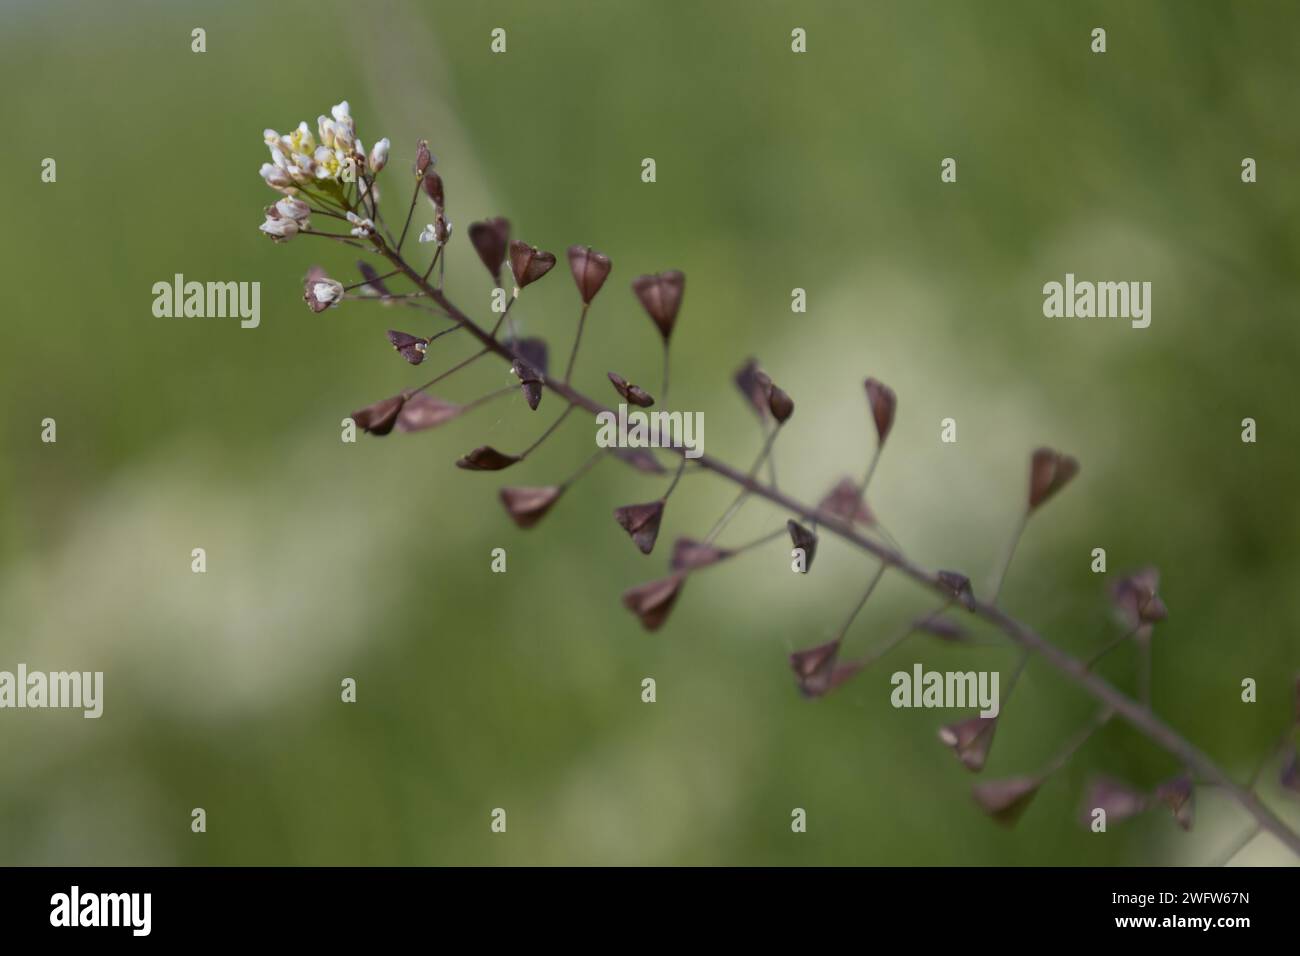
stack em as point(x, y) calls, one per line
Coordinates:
point(305, 164)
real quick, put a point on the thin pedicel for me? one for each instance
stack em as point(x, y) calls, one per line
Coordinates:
point(336, 179)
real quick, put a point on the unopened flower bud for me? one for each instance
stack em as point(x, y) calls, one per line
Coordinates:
point(327, 130)
point(275, 176)
point(323, 294)
point(281, 230)
point(344, 138)
point(292, 208)
point(379, 155)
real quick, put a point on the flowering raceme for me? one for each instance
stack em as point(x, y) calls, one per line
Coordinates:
point(323, 168)
point(329, 176)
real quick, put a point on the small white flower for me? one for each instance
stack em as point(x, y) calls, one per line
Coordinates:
point(291, 208)
point(330, 291)
point(299, 141)
point(327, 162)
point(379, 155)
point(344, 139)
point(429, 234)
point(327, 130)
point(275, 176)
point(342, 113)
point(320, 291)
point(361, 227)
point(281, 230)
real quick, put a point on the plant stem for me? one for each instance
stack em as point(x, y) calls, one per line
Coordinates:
point(483, 400)
point(509, 305)
point(1141, 718)
point(743, 494)
point(437, 254)
point(871, 470)
point(573, 356)
point(663, 392)
point(1079, 739)
point(547, 434)
point(455, 368)
point(676, 478)
point(996, 589)
point(770, 536)
point(585, 467)
point(388, 275)
point(410, 212)
point(1092, 661)
point(871, 587)
point(877, 653)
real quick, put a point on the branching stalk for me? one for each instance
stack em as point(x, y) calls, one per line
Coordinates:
point(1077, 671)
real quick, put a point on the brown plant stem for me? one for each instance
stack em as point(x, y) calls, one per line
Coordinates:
point(419, 181)
point(1111, 645)
point(547, 434)
point(876, 653)
point(871, 470)
point(1073, 669)
point(676, 478)
point(862, 601)
point(505, 312)
point(490, 396)
point(1006, 561)
point(577, 339)
point(455, 368)
point(770, 536)
point(764, 455)
point(437, 255)
point(1078, 740)
point(387, 275)
point(585, 467)
point(663, 391)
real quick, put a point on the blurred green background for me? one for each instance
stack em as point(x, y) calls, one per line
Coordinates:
point(775, 171)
